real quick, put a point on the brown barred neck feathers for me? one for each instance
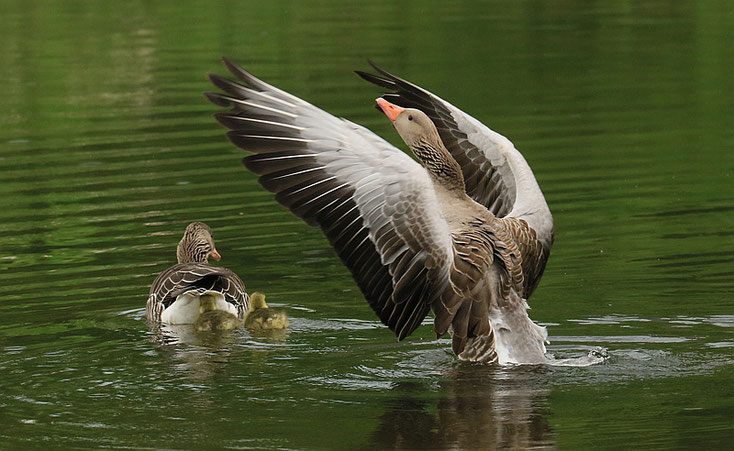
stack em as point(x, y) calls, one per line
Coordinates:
point(420, 134)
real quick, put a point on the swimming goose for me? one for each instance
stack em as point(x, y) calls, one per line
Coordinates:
point(181, 293)
point(465, 233)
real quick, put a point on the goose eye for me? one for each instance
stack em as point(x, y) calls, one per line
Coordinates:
point(410, 117)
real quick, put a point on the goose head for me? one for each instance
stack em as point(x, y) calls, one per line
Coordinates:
point(197, 245)
point(257, 301)
point(420, 134)
point(413, 125)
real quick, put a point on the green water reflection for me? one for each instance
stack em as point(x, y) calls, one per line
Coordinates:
point(108, 149)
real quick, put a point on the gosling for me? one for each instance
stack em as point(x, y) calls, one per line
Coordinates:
point(211, 319)
point(260, 317)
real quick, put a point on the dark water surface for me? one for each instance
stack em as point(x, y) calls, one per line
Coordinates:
point(108, 149)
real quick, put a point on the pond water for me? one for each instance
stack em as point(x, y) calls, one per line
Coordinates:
point(108, 149)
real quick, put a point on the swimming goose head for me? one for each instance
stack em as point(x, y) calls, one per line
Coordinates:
point(420, 134)
point(197, 245)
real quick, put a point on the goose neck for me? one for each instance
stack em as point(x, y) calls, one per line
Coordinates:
point(440, 164)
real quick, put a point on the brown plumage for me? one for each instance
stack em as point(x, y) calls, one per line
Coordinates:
point(465, 235)
point(174, 295)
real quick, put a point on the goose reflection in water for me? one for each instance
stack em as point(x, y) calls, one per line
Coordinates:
point(493, 408)
point(199, 355)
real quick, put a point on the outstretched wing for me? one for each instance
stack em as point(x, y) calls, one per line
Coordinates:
point(375, 204)
point(201, 277)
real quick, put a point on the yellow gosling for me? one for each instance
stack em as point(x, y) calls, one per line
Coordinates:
point(261, 317)
point(211, 319)
point(207, 303)
point(214, 320)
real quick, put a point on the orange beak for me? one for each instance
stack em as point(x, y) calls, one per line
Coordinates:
point(390, 110)
point(215, 255)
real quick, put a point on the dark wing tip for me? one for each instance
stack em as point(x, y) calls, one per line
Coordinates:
point(377, 80)
point(385, 73)
point(241, 73)
point(220, 82)
point(217, 99)
point(372, 78)
point(390, 81)
point(223, 118)
point(376, 67)
point(231, 65)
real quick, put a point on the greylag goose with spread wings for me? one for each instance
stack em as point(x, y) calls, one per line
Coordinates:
point(183, 292)
point(465, 233)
